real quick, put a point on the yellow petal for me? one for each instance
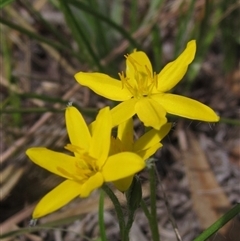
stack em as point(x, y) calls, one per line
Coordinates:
point(125, 134)
point(123, 111)
point(138, 62)
point(150, 113)
point(77, 129)
point(186, 107)
point(145, 154)
point(151, 138)
point(101, 134)
point(57, 198)
point(55, 162)
point(91, 184)
point(104, 85)
point(122, 165)
point(174, 71)
point(123, 184)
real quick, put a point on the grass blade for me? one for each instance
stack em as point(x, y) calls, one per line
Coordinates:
point(101, 17)
point(78, 33)
point(5, 2)
point(219, 223)
point(37, 37)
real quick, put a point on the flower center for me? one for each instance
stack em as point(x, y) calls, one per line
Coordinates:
point(85, 166)
point(140, 81)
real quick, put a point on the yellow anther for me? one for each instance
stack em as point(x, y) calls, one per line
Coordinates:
point(155, 79)
point(148, 72)
point(133, 62)
point(72, 148)
point(122, 78)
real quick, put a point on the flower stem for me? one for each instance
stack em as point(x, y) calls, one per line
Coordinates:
point(101, 217)
point(153, 220)
point(129, 224)
point(145, 210)
point(118, 209)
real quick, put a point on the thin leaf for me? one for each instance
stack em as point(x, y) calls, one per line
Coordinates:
point(5, 2)
point(39, 19)
point(101, 17)
point(14, 98)
point(183, 28)
point(79, 33)
point(219, 223)
point(157, 48)
point(38, 37)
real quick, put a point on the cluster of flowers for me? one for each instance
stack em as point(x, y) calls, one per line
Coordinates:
point(97, 156)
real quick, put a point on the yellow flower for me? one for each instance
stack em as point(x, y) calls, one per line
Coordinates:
point(143, 92)
point(145, 146)
point(89, 167)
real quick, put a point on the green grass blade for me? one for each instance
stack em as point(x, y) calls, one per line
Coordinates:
point(230, 33)
point(86, 111)
point(78, 33)
point(133, 15)
point(157, 48)
point(38, 37)
point(13, 97)
point(4, 3)
point(47, 226)
point(100, 30)
point(219, 223)
point(153, 9)
point(112, 24)
point(205, 36)
point(235, 122)
point(183, 34)
point(39, 19)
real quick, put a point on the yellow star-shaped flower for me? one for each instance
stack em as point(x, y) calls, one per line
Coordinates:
point(145, 146)
point(143, 92)
point(89, 166)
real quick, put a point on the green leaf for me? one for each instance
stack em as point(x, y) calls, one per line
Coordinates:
point(107, 20)
point(219, 223)
point(134, 194)
point(38, 37)
point(3, 3)
point(78, 32)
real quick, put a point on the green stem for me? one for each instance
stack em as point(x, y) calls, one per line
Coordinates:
point(230, 121)
point(129, 224)
point(118, 209)
point(101, 217)
point(153, 220)
point(171, 218)
point(145, 210)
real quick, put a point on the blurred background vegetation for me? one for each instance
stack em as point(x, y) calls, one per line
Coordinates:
point(45, 42)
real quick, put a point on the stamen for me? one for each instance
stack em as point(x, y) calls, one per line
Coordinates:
point(148, 72)
point(74, 149)
point(155, 79)
point(125, 83)
point(65, 173)
point(133, 62)
point(122, 78)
